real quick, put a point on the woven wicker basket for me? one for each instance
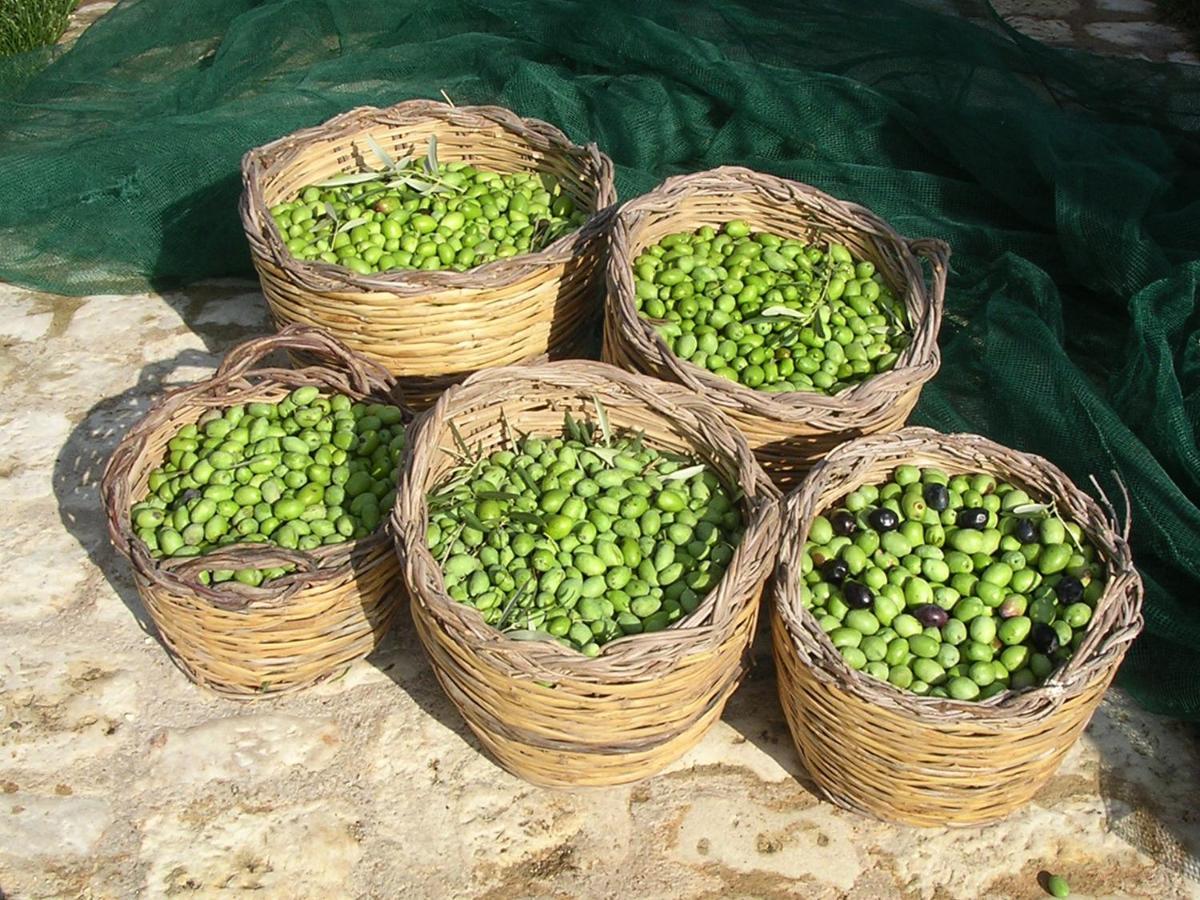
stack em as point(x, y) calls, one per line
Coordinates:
point(918, 760)
point(432, 328)
point(788, 432)
point(244, 641)
point(645, 699)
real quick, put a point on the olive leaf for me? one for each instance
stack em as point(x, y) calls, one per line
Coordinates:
point(527, 518)
point(517, 594)
point(450, 543)
point(431, 160)
point(477, 523)
point(421, 187)
point(525, 477)
point(1026, 509)
point(527, 634)
point(774, 311)
point(458, 439)
point(382, 154)
point(350, 224)
point(508, 430)
point(607, 454)
point(540, 229)
point(507, 496)
point(683, 474)
point(347, 178)
point(576, 429)
point(602, 416)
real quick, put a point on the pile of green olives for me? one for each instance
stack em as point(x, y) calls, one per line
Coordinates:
point(950, 586)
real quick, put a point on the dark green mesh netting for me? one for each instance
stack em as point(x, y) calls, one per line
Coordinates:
point(1068, 186)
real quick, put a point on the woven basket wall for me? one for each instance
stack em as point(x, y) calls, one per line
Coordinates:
point(243, 641)
point(890, 753)
point(432, 328)
point(645, 699)
point(788, 431)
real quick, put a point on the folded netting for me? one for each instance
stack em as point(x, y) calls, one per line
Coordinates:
point(1067, 184)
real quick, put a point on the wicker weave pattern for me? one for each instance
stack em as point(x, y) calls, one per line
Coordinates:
point(432, 328)
point(788, 432)
point(235, 639)
point(924, 761)
point(645, 699)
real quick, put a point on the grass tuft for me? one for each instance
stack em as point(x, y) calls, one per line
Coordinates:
point(28, 24)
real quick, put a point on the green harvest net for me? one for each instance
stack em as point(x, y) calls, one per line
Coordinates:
point(1068, 186)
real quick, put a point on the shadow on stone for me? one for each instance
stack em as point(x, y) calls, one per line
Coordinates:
point(402, 658)
point(221, 314)
point(81, 462)
point(754, 711)
point(1133, 772)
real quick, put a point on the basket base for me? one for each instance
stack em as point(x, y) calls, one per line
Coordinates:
point(255, 653)
point(573, 769)
point(718, 674)
point(882, 764)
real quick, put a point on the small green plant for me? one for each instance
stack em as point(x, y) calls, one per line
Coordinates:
point(28, 24)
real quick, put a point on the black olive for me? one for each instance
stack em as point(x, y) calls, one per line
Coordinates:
point(857, 596)
point(931, 615)
point(834, 571)
point(1069, 590)
point(883, 519)
point(843, 523)
point(937, 497)
point(189, 495)
point(1044, 638)
point(973, 517)
point(1025, 532)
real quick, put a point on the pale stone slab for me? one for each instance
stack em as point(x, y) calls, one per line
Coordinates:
point(243, 748)
point(1140, 35)
point(291, 852)
point(1051, 31)
point(53, 827)
point(1042, 9)
point(1132, 7)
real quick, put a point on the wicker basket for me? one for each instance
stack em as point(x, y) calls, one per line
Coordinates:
point(432, 328)
point(788, 432)
point(244, 641)
point(548, 713)
point(893, 754)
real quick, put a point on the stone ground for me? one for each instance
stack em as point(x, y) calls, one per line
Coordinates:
point(119, 778)
point(1111, 27)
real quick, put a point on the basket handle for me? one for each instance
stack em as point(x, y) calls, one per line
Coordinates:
point(242, 358)
point(938, 253)
point(243, 556)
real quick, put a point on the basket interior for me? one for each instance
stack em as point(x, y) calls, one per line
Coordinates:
point(162, 426)
point(488, 146)
point(492, 424)
point(820, 494)
point(802, 220)
point(166, 427)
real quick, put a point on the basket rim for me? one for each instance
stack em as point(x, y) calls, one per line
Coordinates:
point(267, 243)
point(366, 380)
point(916, 365)
point(1100, 653)
point(629, 659)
